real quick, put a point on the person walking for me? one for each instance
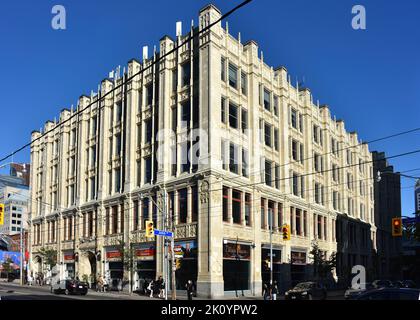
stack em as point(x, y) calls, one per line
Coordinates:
point(30, 280)
point(190, 289)
point(274, 291)
point(150, 288)
point(100, 284)
point(266, 292)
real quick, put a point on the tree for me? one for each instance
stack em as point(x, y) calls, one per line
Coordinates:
point(49, 256)
point(322, 266)
point(8, 266)
point(128, 258)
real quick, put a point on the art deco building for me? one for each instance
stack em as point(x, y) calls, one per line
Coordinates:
point(267, 149)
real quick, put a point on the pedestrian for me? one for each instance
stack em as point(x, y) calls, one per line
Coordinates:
point(29, 280)
point(274, 291)
point(150, 288)
point(162, 288)
point(145, 286)
point(100, 284)
point(266, 292)
point(190, 289)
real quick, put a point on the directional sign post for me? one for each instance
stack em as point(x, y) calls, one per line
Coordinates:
point(162, 233)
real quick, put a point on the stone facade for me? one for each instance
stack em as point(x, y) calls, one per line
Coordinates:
point(99, 176)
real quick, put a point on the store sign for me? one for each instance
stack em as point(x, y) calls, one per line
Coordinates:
point(235, 251)
point(68, 257)
point(146, 252)
point(298, 258)
point(185, 250)
point(113, 255)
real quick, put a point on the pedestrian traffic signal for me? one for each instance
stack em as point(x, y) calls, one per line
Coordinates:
point(1, 214)
point(150, 229)
point(286, 232)
point(397, 227)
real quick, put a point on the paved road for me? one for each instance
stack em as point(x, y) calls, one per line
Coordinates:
point(13, 291)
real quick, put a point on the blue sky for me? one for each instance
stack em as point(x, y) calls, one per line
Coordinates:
point(374, 73)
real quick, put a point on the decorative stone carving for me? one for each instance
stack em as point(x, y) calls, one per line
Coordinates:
point(204, 192)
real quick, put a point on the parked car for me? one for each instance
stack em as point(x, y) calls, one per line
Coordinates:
point(390, 294)
point(405, 284)
point(307, 291)
point(353, 293)
point(70, 287)
point(377, 284)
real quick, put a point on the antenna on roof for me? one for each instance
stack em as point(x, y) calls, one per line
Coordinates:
point(145, 53)
point(179, 29)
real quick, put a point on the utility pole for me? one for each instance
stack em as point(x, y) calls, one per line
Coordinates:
point(271, 246)
point(165, 243)
point(21, 255)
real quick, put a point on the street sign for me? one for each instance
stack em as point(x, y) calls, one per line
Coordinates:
point(411, 220)
point(163, 233)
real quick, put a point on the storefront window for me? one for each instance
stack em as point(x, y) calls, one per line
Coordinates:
point(236, 266)
point(225, 204)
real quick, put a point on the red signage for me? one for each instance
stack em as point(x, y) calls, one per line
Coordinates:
point(146, 252)
point(68, 257)
point(113, 255)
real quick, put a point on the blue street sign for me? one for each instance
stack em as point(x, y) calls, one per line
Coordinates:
point(411, 220)
point(163, 233)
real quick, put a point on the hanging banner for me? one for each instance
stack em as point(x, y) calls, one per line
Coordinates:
point(146, 252)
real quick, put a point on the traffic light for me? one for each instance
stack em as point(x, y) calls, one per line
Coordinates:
point(397, 227)
point(150, 229)
point(286, 232)
point(1, 214)
point(178, 264)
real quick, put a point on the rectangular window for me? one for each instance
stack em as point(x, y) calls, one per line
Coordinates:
point(147, 170)
point(267, 135)
point(233, 115)
point(119, 111)
point(174, 112)
point(245, 161)
point(174, 80)
point(280, 214)
point(117, 180)
point(276, 139)
point(301, 153)
point(298, 221)
point(148, 130)
point(194, 209)
point(244, 120)
point(248, 209)
point(263, 226)
point(294, 118)
point(295, 184)
point(267, 100)
point(236, 206)
point(223, 69)
point(114, 220)
point(186, 115)
point(244, 83)
point(149, 94)
point(277, 176)
point(118, 145)
point(223, 110)
point(319, 223)
point(233, 76)
point(268, 175)
point(135, 215)
point(294, 150)
point(92, 188)
point(276, 106)
point(145, 211)
point(185, 74)
point(233, 158)
point(225, 204)
point(183, 205)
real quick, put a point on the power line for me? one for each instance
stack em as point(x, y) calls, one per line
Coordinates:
point(127, 80)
